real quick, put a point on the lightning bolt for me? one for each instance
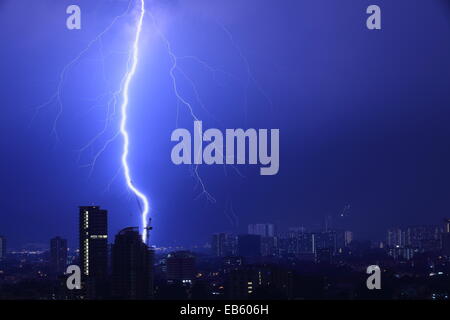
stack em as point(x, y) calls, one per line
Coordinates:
point(111, 106)
point(132, 66)
point(120, 96)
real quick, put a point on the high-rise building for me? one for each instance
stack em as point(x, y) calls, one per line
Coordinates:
point(426, 238)
point(266, 233)
point(2, 247)
point(58, 255)
point(348, 235)
point(325, 240)
point(297, 241)
point(401, 253)
point(447, 225)
point(423, 238)
point(180, 266)
point(262, 229)
point(396, 238)
point(446, 238)
point(270, 282)
point(93, 233)
point(324, 255)
point(305, 243)
point(132, 263)
point(219, 244)
point(268, 246)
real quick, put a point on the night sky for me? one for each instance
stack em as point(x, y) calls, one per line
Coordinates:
point(363, 115)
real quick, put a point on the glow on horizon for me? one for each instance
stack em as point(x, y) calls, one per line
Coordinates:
point(134, 58)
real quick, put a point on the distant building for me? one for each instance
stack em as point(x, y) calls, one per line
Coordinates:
point(232, 262)
point(425, 238)
point(340, 242)
point(326, 240)
point(305, 243)
point(419, 238)
point(58, 255)
point(2, 247)
point(93, 236)
point(239, 284)
point(400, 253)
point(132, 263)
point(324, 255)
point(447, 225)
point(446, 238)
point(263, 282)
point(348, 238)
point(219, 244)
point(396, 238)
point(180, 266)
point(268, 246)
point(262, 229)
point(249, 245)
point(297, 241)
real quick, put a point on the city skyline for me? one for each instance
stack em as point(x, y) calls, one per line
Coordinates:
point(395, 234)
point(261, 263)
point(216, 150)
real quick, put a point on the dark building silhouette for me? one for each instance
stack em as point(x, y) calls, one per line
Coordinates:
point(132, 263)
point(58, 255)
point(2, 247)
point(259, 282)
point(268, 246)
point(446, 238)
point(180, 266)
point(249, 245)
point(239, 284)
point(324, 255)
point(447, 225)
point(330, 239)
point(93, 233)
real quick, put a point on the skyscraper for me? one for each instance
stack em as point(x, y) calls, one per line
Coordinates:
point(93, 241)
point(447, 225)
point(396, 238)
point(2, 247)
point(348, 235)
point(58, 255)
point(132, 263)
point(446, 238)
point(219, 244)
point(180, 266)
point(425, 238)
point(262, 229)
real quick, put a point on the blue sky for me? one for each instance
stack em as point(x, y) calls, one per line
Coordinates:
point(363, 115)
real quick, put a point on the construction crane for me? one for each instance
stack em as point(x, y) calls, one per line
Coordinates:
point(345, 211)
point(148, 228)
